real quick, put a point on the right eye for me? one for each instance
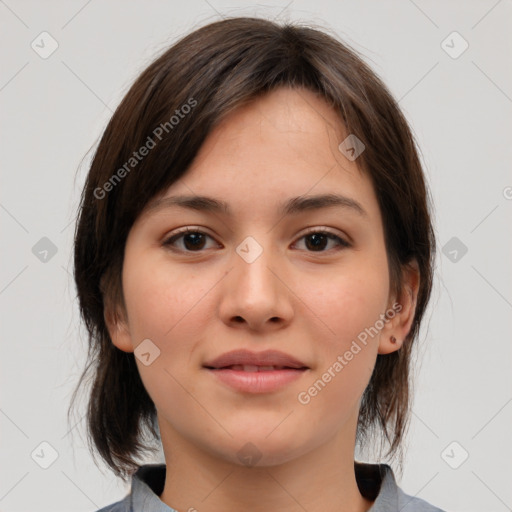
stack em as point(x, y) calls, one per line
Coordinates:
point(192, 240)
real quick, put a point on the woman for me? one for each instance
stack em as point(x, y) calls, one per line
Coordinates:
point(253, 259)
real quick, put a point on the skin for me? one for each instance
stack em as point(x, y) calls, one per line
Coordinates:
point(310, 303)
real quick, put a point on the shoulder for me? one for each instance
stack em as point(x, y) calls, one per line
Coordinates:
point(123, 505)
point(119, 506)
point(405, 502)
point(377, 483)
point(408, 503)
point(147, 484)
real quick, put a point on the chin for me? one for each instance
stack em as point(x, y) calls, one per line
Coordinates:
point(259, 449)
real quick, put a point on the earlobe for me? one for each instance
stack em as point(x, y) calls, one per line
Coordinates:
point(118, 330)
point(389, 344)
point(396, 329)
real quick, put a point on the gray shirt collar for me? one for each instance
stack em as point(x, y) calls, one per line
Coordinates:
point(376, 482)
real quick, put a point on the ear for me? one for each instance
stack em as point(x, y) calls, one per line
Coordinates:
point(404, 307)
point(118, 328)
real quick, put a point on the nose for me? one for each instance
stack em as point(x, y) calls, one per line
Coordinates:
point(255, 293)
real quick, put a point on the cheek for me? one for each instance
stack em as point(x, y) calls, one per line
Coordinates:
point(347, 303)
point(161, 301)
point(346, 356)
point(168, 307)
point(349, 306)
point(165, 307)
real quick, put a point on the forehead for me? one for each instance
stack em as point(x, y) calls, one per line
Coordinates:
point(282, 120)
point(281, 145)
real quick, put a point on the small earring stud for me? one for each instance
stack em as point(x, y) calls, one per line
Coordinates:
point(393, 339)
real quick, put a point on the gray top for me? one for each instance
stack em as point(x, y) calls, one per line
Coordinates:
point(376, 482)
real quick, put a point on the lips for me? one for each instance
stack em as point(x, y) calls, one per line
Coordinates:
point(244, 360)
point(253, 368)
point(256, 372)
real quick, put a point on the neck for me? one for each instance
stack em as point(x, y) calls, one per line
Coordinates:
point(320, 480)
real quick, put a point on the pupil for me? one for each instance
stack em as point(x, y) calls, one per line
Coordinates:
point(316, 240)
point(196, 240)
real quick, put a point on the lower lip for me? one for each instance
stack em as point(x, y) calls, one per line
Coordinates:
point(257, 382)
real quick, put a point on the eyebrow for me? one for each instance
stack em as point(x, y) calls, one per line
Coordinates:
point(292, 206)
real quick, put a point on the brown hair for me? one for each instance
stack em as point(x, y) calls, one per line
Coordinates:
point(214, 70)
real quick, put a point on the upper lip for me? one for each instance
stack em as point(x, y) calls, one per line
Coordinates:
point(246, 357)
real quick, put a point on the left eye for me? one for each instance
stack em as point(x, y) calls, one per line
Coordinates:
point(320, 237)
point(194, 240)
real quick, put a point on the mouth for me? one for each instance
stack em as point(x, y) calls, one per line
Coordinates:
point(246, 360)
point(250, 372)
point(254, 368)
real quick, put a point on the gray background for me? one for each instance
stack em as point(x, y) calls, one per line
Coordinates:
point(55, 108)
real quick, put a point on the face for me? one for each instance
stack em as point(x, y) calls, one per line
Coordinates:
point(306, 283)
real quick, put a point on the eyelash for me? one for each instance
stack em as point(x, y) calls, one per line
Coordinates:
point(342, 243)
